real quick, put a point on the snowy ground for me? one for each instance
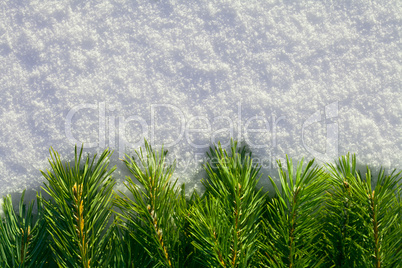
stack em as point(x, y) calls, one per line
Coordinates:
point(312, 79)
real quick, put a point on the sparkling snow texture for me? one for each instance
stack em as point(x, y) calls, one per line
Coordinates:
point(311, 79)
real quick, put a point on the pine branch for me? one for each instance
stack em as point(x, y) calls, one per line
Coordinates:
point(225, 223)
point(345, 245)
point(23, 241)
point(369, 220)
point(292, 224)
point(79, 211)
point(157, 210)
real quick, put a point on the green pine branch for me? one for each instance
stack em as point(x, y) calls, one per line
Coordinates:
point(23, 241)
point(155, 215)
point(362, 218)
point(293, 224)
point(225, 223)
point(79, 210)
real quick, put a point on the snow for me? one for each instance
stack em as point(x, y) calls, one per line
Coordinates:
point(313, 79)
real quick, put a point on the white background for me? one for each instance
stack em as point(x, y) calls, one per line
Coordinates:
point(251, 62)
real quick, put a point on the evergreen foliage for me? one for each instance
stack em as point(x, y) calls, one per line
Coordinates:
point(155, 215)
point(293, 222)
point(362, 218)
point(225, 225)
point(319, 217)
point(79, 210)
point(22, 237)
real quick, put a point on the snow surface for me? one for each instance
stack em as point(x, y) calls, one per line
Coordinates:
point(311, 79)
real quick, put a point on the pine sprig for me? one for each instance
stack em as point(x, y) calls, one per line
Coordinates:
point(344, 240)
point(225, 224)
point(292, 224)
point(23, 240)
point(363, 221)
point(79, 211)
point(156, 212)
